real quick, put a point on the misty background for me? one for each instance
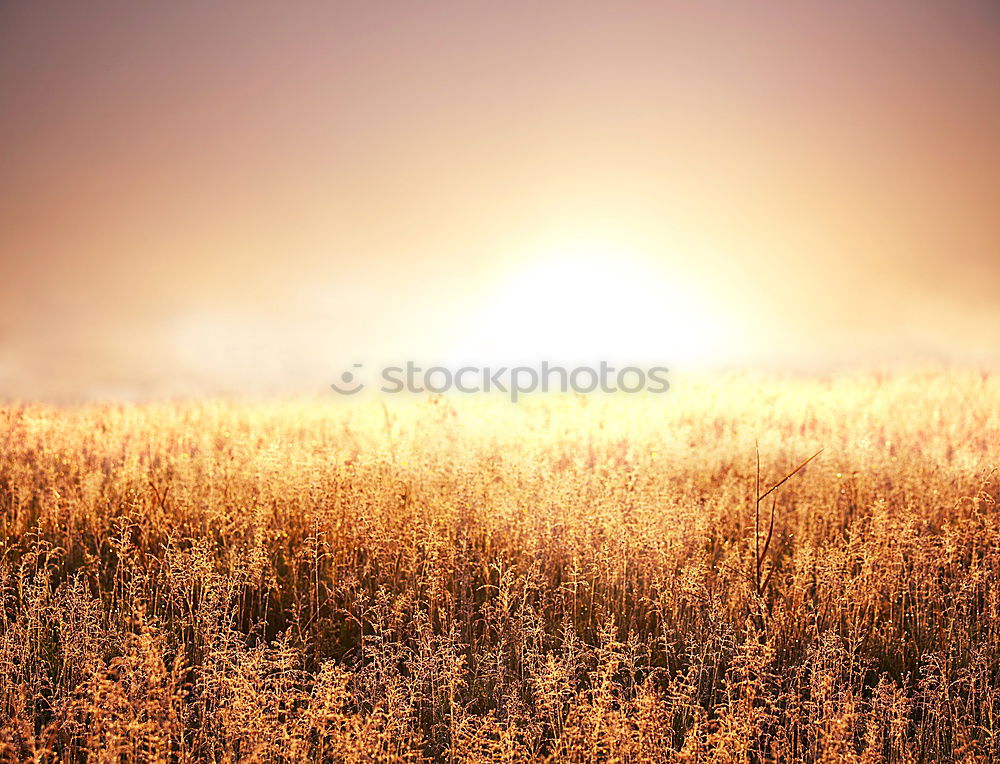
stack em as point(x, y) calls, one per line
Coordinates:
point(202, 198)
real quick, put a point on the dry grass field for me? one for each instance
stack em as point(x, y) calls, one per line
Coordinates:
point(463, 579)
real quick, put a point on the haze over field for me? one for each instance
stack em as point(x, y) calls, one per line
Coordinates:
point(248, 197)
point(784, 215)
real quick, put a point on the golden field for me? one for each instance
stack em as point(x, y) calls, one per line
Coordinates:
point(464, 579)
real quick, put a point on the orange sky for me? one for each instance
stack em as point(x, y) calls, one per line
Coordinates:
point(223, 196)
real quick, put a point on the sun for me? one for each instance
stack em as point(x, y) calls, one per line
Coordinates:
point(580, 302)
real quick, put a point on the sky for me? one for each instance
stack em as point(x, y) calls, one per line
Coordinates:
point(246, 197)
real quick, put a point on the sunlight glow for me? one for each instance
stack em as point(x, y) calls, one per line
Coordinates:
point(589, 301)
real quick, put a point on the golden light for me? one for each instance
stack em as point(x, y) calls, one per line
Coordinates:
point(583, 301)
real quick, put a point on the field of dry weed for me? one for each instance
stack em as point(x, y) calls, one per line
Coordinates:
point(572, 579)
